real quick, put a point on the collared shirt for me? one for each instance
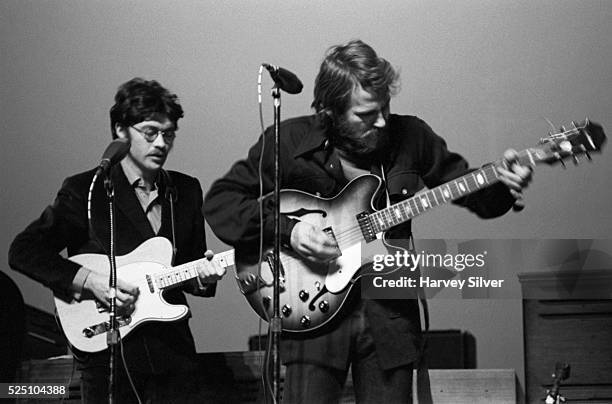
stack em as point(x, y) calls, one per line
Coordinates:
point(149, 199)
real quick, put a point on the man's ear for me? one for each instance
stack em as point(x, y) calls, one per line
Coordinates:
point(121, 131)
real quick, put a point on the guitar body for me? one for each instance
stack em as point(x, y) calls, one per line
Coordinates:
point(151, 257)
point(312, 294)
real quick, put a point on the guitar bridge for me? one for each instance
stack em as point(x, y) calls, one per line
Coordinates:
point(270, 261)
point(249, 283)
point(103, 327)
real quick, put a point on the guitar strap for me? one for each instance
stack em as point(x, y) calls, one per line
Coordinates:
point(423, 385)
point(171, 195)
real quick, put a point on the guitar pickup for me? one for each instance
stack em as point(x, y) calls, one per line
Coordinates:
point(150, 283)
point(101, 308)
point(365, 225)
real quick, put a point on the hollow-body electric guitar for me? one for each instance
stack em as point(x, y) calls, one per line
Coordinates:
point(148, 267)
point(312, 294)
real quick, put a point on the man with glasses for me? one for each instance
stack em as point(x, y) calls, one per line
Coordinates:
point(149, 202)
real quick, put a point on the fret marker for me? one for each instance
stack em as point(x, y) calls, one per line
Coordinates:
point(398, 214)
point(461, 187)
point(446, 193)
point(424, 202)
point(480, 179)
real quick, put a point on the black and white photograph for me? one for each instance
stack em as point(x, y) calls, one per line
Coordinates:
point(266, 201)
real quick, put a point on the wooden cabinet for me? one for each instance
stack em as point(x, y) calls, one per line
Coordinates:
point(567, 317)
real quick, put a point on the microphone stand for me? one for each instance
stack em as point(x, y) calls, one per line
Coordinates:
point(112, 335)
point(276, 321)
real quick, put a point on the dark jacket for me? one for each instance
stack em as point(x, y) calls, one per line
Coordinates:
point(153, 347)
point(416, 157)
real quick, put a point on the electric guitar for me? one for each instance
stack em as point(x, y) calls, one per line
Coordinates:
point(312, 294)
point(148, 267)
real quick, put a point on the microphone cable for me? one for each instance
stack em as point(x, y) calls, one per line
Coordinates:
point(265, 366)
point(93, 236)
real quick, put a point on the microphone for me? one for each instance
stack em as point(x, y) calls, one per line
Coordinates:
point(284, 79)
point(114, 153)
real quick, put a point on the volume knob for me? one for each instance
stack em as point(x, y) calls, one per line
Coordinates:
point(305, 321)
point(286, 310)
point(303, 295)
point(324, 306)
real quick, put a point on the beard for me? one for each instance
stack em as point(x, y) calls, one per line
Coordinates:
point(358, 144)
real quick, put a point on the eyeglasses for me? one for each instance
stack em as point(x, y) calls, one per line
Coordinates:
point(150, 134)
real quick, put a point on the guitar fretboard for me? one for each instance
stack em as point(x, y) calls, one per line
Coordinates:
point(422, 202)
point(185, 272)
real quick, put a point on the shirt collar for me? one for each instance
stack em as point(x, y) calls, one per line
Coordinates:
point(316, 139)
point(133, 178)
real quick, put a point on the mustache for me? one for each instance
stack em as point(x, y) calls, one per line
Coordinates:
point(371, 132)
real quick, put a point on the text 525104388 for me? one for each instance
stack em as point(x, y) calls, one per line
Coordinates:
point(33, 390)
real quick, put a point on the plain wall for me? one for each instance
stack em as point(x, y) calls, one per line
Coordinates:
point(484, 74)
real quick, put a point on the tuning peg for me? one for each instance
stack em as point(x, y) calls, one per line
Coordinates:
point(574, 125)
point(590, 140)
point(588, 156)
point(575, 158)
point(558, 157)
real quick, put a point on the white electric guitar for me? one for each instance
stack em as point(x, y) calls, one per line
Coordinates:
point(149, 268)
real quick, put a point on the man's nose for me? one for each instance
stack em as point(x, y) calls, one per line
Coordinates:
point(160, 142)
point(381, 121)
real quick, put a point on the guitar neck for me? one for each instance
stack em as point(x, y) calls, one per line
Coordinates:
point(182, 273)
point(422, 202)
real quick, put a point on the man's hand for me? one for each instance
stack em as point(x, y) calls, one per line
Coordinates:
point(516, 178)
point(210, 271)
point(313, 244)
point(127, 294)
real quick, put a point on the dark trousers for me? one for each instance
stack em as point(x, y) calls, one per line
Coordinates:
point(316, 383)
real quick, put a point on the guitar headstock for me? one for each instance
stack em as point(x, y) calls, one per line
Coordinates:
point(583, 138)
point(562, 372)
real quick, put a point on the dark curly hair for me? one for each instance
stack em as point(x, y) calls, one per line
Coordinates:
point(139, 99)
point(344, 68)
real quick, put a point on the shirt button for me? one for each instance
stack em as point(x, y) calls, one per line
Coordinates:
point(404, 191)
point(331, 165)
point(318, 194)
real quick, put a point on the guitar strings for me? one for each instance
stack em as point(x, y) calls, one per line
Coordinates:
point(353, 233)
